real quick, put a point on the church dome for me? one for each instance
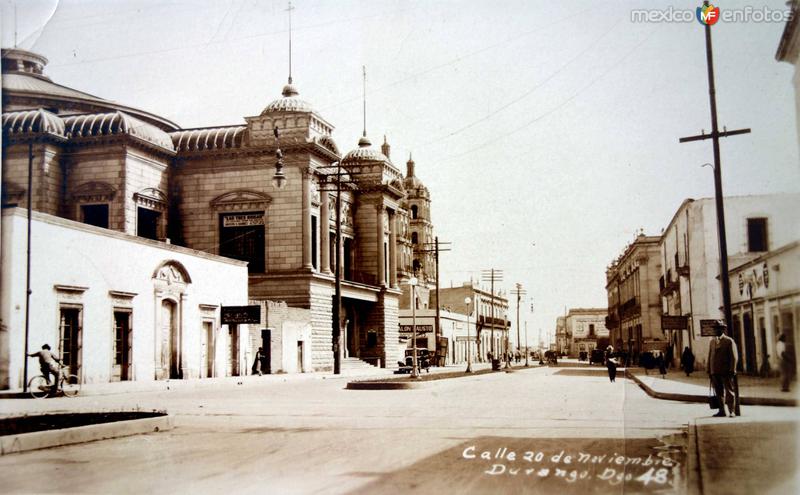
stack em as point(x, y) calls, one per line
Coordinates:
point(364, 153)
point(289, 102)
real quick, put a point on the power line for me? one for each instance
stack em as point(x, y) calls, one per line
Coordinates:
point(592, 44)
point(556, 108)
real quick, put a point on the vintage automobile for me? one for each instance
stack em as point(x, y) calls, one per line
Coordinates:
point(598, 356)
point(423, 361)
point(551, 357)
point(583, 356)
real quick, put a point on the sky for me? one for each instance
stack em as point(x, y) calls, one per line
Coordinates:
point(547, 132)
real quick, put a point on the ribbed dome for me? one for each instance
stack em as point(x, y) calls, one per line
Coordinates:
point(290, 102)
point(364, 153)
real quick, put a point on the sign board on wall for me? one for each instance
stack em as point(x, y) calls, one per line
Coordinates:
point(420, 329)
point(243, 220)
point(234, 315)
point(708, 327)
point(654, 345)
point(464, 338)
point(674, 322)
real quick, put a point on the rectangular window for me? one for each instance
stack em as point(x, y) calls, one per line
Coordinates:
point(96, 215)
point(70, 338)
point(314, 247)
point(757, 239)
point(241, 237)
point(147, 223)
point(347, 258)
point(332, 250)
point(122, 345)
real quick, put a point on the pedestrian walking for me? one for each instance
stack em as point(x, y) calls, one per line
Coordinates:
point(722, 358)
point(257, 362)
point(687, 361)
point(611, 364)
point(517, 357)
point(662, 364)
point(787, 362)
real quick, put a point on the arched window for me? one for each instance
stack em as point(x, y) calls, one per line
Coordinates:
point(414, 238)
point(414, 211)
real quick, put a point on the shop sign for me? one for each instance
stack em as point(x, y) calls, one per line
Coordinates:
point(235, 315)
point(674, 322)
point(708, 328)
point(420, 329)
point(244, 220)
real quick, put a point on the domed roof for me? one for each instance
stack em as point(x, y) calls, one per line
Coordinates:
point(364, 153)
point(24, 78)
point(290, 102)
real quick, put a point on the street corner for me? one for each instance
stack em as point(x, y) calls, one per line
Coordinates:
point(546, 465)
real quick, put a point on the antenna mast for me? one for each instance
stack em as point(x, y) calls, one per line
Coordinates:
point(290, 9)
point(364, 69)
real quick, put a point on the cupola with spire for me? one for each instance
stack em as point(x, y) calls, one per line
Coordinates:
point(293, 116)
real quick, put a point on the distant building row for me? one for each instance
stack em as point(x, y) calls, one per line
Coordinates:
point(661, 287)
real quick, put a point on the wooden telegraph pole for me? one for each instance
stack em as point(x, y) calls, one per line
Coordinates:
point(714, 136)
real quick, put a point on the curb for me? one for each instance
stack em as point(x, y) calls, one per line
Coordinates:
point(11, 444)
point(404, 383)
point(746, 401)
point(694, 475)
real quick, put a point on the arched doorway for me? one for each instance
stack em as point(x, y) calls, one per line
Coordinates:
point(170, 281)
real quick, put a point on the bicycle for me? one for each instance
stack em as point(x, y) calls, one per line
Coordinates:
point(68, 385)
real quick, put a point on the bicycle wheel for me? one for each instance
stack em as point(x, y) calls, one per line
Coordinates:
point(38, 387)
point(70, 385)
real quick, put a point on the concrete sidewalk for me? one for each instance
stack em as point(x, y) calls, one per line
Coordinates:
point(91, 389)
point(745, 455)
point(675, 385)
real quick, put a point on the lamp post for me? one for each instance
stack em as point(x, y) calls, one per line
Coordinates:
point(414, 369)
point(467, 301)
point(279, 179)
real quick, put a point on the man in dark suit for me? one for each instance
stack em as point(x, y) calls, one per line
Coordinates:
point(722, 359)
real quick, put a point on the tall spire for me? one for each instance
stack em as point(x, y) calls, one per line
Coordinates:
point(290, 9)
point(364, 69)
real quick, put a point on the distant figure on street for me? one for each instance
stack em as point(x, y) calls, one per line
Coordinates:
point(257, 362)
point(669, 357)
point(48, 363)
point(662, 364)
point(722, 358)
point(611, 364)
point(687, 361)
point(786, 357)
point(517, 356)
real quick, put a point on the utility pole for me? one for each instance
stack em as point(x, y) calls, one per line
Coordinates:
point(519, 292)
point(436, 249)
point(492, 275)
point(714, 136)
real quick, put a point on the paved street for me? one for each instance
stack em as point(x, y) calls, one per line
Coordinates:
point(531, 431)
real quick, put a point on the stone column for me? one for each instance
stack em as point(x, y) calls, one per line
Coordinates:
point(381, 258)
point(324, 233)
point(393, 249)
point(306, 222)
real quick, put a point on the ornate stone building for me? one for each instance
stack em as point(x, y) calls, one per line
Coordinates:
point(212, 190)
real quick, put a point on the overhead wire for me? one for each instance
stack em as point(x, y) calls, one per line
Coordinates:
point(568, 100)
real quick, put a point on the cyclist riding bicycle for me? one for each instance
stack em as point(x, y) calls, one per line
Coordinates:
point(48, 363)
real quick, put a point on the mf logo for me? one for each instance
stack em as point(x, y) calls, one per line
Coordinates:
point(707, 14)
